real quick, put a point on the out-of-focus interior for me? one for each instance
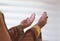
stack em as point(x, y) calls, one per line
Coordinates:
point(17, 10)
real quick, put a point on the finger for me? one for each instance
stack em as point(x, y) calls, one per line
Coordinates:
point(44, 14)
point(32, 17)
point(28, 20)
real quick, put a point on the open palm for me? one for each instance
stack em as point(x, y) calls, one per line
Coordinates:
point(43, 19)
point(27, 22)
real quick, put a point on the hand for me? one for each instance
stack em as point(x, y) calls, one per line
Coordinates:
point(43, 19)
point(27, 22)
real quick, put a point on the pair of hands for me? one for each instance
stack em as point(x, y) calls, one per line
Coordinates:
point(28, 21)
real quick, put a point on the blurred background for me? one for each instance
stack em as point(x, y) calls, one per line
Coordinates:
point(17, 10)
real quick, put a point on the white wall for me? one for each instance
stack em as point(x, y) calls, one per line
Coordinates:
point(16, 11)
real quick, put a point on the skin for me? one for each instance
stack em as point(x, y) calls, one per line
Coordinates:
point(25, 23)
point(43, 20)
point(29, 35)
point(4, 36)
point(28, 21)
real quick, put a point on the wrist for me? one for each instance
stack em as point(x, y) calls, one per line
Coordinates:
point(20, 27)
point(40, 25)
point(19, 30)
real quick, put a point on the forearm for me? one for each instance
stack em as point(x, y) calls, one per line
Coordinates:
point(37, 30)
point(4, 35)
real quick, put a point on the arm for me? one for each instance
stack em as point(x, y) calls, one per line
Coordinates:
point(37, 27)
point(28, 36)
point(42, 21)
point(32, 34)
point(17, 31)
point(4, 35)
